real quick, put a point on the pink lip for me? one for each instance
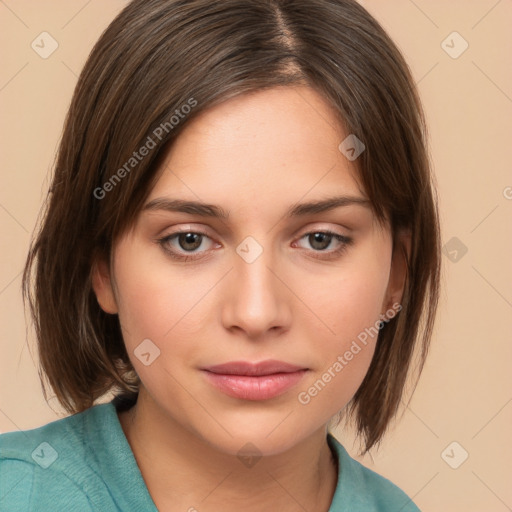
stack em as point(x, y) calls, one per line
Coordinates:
point(259, 381)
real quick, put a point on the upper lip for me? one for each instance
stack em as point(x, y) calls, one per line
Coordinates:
point(268, 367)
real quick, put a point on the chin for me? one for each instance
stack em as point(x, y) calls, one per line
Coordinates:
point(255, 446)
point(263, 436)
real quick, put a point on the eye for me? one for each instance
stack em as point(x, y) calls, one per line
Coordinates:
point(187, 242)
point(321, 240)
point(184, 245)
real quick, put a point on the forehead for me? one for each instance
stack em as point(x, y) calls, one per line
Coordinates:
point(258, 151)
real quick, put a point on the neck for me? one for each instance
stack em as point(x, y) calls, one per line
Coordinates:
point(183, 471)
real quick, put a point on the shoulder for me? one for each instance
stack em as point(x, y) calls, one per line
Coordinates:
point(47, 468)
point(361, 489)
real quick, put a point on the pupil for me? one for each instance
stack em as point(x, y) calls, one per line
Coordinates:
point(189, 239)
point(320, 238)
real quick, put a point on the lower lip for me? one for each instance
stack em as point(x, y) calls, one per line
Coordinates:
point(248, 387)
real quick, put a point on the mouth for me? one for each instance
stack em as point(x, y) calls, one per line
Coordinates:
point(254, 381)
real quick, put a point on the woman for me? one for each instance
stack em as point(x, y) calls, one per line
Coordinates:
point(241, 240)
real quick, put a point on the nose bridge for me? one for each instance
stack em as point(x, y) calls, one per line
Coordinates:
point(257, 299)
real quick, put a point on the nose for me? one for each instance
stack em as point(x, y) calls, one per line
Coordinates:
point(257, 299)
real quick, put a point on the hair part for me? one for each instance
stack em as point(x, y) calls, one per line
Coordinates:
point(151, 60)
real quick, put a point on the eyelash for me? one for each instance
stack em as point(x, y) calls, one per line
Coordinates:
point(344, 240)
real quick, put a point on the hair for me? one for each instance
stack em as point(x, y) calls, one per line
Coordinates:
point(158, 56)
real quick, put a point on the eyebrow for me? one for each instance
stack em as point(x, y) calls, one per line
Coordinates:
point(214, 211)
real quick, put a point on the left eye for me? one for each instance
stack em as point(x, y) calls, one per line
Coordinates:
point(320, 240)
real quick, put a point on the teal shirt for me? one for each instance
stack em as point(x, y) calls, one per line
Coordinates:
point(84, 463)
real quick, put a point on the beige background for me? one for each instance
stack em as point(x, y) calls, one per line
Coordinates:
point(465, 393)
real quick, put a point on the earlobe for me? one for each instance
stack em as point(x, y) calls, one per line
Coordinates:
point(102, 286)
point(398, 271)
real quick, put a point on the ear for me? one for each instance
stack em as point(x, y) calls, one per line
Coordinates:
point(102, 286)
point(398, 271)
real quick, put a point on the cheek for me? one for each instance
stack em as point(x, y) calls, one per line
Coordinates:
point(349, 300)
point(349, 306)
point(160, 304)
point(155, 300)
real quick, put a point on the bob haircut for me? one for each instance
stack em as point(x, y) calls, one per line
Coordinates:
point(153, 60)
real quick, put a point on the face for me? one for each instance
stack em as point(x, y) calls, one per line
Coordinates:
point(195, 291)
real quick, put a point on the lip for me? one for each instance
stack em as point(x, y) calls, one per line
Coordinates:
point(254, 381)
point(268, 367)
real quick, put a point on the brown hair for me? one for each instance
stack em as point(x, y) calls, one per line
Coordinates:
point(159, 55)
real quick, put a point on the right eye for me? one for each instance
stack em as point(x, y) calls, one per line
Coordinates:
point(181, 245)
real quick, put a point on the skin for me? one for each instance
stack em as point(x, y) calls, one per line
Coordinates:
point(255, 156)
